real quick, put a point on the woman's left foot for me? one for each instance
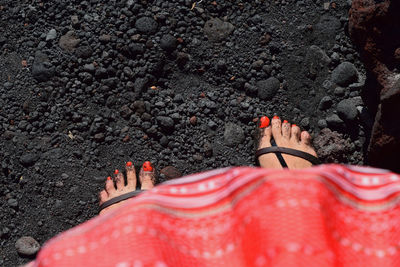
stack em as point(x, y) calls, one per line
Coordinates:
point(146, 177)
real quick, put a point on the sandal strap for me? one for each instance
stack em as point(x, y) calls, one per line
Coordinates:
point(294, 152)
point(120, 198)
point(279, 155)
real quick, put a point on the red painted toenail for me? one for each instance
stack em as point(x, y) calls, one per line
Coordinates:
point(276, 117)
point(294, 125)
point(147, 166)
point(264, 122)
point(116, 171)
point(129, 164)
point(108, 178)
point(285, 121)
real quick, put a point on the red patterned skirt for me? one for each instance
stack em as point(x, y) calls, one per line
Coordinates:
point(330, 215)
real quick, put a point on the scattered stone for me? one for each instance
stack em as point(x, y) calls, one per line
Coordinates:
point(51, 35)
point(69, 41)
point(170, 172)
point(168, 42)
point(257, 65)
point(332, 146)
point(27, 246)
point(322, 123)
point(316, 62)
point(99, 137)
point(217, 30)
point(325, 103)
point(166, 123)
point(146, 25)
point(42, 70)
point(305, 123)
point(233, 134)
point(339, 91)
point(75, 21)
point(334, 122)
point(347, 110)
point(84, 51)
point(13, 203)
point(105, 38)
point(345, 74)
point(193, 120)
point(268, 88)
point(208, 149)
point(29, 159)
point(125, 112)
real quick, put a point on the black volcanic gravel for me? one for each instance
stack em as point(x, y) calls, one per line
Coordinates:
point(88, 85)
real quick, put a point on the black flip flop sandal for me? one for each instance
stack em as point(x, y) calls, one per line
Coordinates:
point(120, 198)
point(279, 150)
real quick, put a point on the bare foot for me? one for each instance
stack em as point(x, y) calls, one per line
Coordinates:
point(146, 177)
point(285, 135)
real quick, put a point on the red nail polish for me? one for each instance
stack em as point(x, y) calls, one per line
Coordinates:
point(276, 117)
point(116, 171)
point(129, 164)
point(264, 122)
point(294, 125)
point(108, 178)
point(285, 121)
point(147, 166)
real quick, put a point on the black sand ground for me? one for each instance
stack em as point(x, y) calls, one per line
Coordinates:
point(87, 85)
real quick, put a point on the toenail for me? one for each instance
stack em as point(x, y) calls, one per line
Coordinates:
point(294, 125)
point(109, 178)
point(264, 122)
point(276, 117)
point(116, 171)
point(285, 121)
point(147, 166)
point(129, 164)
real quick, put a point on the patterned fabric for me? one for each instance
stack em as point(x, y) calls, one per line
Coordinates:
point(330, 215)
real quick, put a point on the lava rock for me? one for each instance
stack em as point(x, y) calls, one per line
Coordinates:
point(331, 146)
point(268, 88)
point(334, 122)
point(42, 70)
point(217, 30)
point(345, 74)
point(51, 35)
point(325, 103)
point(233, 134)
point(316, 62)
point(168, 42)
point(69, 41)
point(170, 172)
point(146, 25)
point(84, 51)
point(166, 123)
point(347, 110)
point(29, 159)
point(27, 246)
point(13, 203)
point(75, 21)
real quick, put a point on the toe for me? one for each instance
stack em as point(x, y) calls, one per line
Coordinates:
point(305, 138)
point(109, 185)
point(265, 137)
point(103, 196)
point(295, 135)
point(131, 175)
point(147, 176)
point(119, 180)
point(276, 128)
point(286, 129)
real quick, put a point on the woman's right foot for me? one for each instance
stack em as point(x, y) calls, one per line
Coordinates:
point(146, 177)
point(285, 135)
